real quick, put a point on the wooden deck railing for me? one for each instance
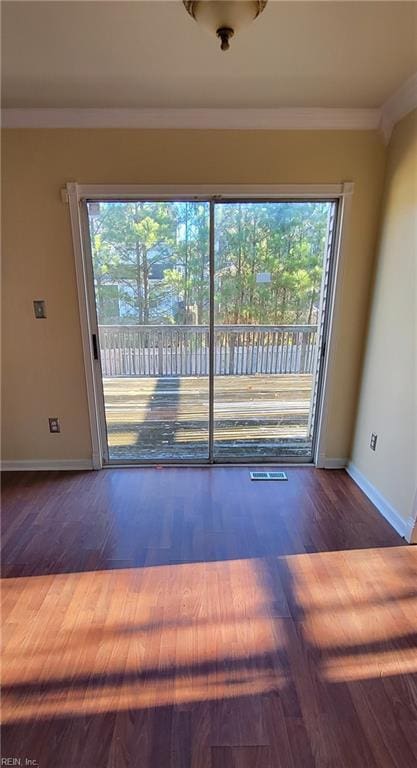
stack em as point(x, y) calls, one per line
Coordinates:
point(183, 350)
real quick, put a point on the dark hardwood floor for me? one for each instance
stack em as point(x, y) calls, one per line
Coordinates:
point(191, 618)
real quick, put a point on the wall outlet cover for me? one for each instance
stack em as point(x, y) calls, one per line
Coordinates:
point(39, 308)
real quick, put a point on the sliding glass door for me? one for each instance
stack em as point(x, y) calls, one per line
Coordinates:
point(270, 260)
point(210, 317)
point(151, 280)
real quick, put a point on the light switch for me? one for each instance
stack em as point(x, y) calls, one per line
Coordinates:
point(39, 307)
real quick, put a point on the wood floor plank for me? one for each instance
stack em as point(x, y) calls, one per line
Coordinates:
point(241, 757)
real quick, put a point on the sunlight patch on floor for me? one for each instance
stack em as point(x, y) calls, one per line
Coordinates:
point(358, 610)
point(173, 634)
point(137, 637)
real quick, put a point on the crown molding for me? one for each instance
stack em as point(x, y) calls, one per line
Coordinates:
point(400, 104)
point(403, 101)
point(316, 118)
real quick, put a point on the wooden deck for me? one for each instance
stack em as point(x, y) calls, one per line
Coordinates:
point(167, 418)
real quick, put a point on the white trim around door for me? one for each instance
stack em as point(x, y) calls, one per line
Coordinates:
point(321, 459)
point(74, 194)
point(81, 267)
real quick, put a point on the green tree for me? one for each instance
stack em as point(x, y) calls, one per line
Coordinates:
point(156, 254)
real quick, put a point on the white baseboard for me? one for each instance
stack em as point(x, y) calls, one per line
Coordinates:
point(45, 464)
point(403, 527)
point(325, 463)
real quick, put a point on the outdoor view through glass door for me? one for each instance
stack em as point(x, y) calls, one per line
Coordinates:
point(151, 275)
point(167, 346)
point(269, 268)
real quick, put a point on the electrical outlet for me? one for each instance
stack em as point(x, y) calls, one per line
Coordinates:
point(372, 443)
point(54, 425)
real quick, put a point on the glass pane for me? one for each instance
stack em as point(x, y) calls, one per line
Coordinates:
point(269, 273)
point(151, 278)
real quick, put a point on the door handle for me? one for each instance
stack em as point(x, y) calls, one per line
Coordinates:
point(95, 347)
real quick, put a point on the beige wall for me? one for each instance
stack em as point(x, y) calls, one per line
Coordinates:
point(43, 367)
point(388, 398)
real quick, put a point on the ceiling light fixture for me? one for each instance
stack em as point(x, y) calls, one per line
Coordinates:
point(224, 17)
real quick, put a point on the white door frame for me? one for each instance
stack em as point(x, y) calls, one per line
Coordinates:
point(75, 194)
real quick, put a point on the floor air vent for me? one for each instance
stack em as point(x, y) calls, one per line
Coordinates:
point(268, 476)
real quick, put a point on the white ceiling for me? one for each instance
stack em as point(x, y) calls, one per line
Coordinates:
point(152, 54)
